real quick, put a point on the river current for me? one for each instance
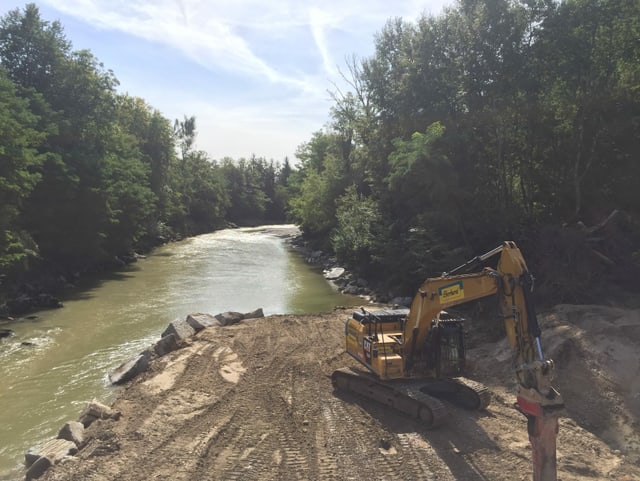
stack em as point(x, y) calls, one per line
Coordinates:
point(60, 359)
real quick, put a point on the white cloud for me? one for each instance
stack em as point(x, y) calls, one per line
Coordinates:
point(218, 34)
point(270, 129)
point(319, 20)
point(193, 28)
point(285, 54)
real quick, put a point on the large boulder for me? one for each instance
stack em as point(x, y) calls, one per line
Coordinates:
point(96, 410)
point(72, 431)
point(38, 460)
point(254, 314)
point(167, 344)
point(201, 321)
point(130, 369)
point(229, 318)
point(181, 329)
point(334, 274)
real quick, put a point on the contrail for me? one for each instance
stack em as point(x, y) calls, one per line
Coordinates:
point(183, 11)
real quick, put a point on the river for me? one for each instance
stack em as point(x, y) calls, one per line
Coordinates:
point(60, 359)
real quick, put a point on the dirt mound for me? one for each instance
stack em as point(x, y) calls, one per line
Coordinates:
point(254, 401)
point(597, 352)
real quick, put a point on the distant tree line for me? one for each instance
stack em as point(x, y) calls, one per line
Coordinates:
point(88, 174)
point(496, 120)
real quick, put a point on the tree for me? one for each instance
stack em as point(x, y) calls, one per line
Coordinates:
point(537, 109)
point(19, 161)
point(355, 237)
point(71, 232)
point(130, 202)
point(323, 179)
point(185, 132)
point(154, 137)
point(204, 196)
point(245, 183)
point(587, 50)
point(32, 50)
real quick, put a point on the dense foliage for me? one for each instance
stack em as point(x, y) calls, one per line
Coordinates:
point(498, 119)
point(88, 174)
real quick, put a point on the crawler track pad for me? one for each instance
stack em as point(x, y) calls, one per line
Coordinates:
point(403, 396)
point(460, 391)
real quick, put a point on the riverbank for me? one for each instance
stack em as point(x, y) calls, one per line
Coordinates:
point(255, 401)
point(46, 291)
point(56, 362)
point(43, 287)
point(339, 276)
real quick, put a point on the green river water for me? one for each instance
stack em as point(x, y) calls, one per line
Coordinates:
point(70, 351)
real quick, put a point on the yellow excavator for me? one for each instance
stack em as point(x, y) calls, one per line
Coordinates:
point(415, 357)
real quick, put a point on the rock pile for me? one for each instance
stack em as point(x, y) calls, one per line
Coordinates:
point(345, 281)
point(69, 441)
point(175, 336)
point(71, 437)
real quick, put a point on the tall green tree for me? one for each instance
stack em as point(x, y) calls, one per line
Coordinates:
point(185, 132)
point(323, 179)
point(538, 107)
point(204, 196)
point(588, 54)
point(356, 238)
point(33, 50)
point(71, 231)
point(153, 135)
point(245, 182)
point(19, 163)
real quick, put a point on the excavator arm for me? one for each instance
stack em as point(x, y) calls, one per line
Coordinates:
point(512, 282)
point(416, 357)
point(536, 399)
point(434, 296)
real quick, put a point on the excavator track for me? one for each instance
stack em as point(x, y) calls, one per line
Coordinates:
point(404, 396)
point(460, 391)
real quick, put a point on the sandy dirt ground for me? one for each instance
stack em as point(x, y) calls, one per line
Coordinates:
point(254, 401)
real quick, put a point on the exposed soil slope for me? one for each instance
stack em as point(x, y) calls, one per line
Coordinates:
point(254, 401)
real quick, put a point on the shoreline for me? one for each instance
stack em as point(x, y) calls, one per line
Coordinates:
point(254, 400)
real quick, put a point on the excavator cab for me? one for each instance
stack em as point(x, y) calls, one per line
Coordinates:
point(444, 347)
point(375, 338)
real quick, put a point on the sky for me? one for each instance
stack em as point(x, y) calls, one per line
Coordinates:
point(255, 74)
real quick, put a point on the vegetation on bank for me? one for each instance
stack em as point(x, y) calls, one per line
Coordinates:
point(495, 120)
point(500, 119)
point(89, 175)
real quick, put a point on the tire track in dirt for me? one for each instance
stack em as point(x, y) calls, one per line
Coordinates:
point(256, 450)
point(240, 455)
point(254, 401)
point(189, 421)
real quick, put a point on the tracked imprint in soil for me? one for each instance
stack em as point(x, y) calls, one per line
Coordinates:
point(258, 445)
point(265, 443)
point(282, 419)
point(190, 401)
